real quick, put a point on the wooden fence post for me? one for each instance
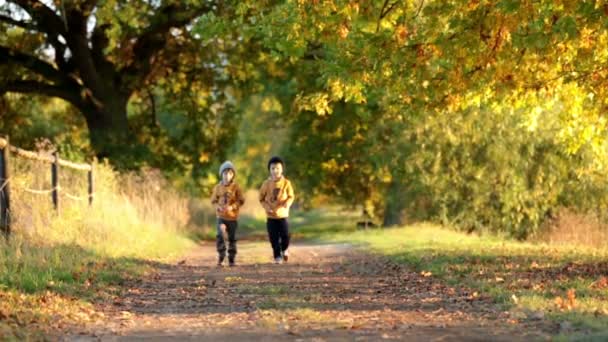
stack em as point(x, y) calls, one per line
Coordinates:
point(5, 203)
point(55, 181)
point(90, 177)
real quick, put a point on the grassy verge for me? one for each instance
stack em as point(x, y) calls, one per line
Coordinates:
point(563, 283)
point(56, 264)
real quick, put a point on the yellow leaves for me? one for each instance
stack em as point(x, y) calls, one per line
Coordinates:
point(349, 92)
point(387, 69)
point(601, 54)
point(343, 31)
point(201, 101)
point(531, 123)
point(252, 151)
point(203, 157)
point(587, 39)
point(318, 103)
point(472, 5)
point(366, 77)
point(271, 104)
point(333, 166)
point(454, 101)
point(336, 87)
point(401, 34)
point(505, 35)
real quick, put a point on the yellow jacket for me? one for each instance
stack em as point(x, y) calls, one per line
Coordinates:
point(276, 197)
point(228, 199)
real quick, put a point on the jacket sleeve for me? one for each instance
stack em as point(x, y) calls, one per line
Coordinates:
point(214, 196)
point(263, 197)
point(290, 195)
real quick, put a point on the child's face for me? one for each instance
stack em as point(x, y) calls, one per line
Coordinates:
point(227, 176)
point(276, 170)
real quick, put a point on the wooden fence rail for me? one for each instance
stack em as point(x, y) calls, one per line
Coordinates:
point(6, 152)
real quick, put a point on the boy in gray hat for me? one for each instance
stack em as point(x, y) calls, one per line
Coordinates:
point(228, 198)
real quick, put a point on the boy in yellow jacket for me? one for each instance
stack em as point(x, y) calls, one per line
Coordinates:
point(276, 196)
point(228, 198)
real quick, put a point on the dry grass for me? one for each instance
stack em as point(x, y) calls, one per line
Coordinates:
point(569, 227)
point(56, 261)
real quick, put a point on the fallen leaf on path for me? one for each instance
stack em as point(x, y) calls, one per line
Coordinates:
point(601, 283)
point(571, 298)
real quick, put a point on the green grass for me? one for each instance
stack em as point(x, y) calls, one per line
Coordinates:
point(56, 264)
point(517, 275)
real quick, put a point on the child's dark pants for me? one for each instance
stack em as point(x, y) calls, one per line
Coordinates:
point(221, 236)
point(278, 234)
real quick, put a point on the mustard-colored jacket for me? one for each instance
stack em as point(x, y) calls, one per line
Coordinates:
point(276, 197)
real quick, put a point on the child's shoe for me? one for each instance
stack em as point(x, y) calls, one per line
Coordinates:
point(231, 263)
point(220, 261)
point(278, 260)
point(285, 255)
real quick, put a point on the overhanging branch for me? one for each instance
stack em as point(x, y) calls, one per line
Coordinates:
point(30, 86)
point(18, 23)
point(153, 38)
point(46, 19)
point(38, 66)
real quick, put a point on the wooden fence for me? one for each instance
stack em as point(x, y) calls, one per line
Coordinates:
point(6, 153)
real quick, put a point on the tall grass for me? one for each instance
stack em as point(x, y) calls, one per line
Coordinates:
point(571, 227)
point(133, 215)
point(78, 250)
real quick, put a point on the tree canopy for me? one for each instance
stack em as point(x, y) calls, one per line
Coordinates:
point(480, 113)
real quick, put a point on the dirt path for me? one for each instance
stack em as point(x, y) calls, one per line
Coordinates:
point(324, 293)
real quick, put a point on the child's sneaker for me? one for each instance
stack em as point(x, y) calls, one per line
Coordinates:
point(285, 255)
point(220, 260)
point(278, 260)
point(231, 263)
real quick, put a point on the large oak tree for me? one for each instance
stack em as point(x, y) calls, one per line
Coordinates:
point(94, 54)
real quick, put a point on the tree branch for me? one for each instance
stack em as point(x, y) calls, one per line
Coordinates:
point(29, 86)
point(18, 23)
point(88, 6)
point(419, 9)
point(34, 64)
point(59, 53)
point(153, 38)
point(381, 15)
point(100, 41)
point(384, 12)
point(154, 121)
point(46, 19)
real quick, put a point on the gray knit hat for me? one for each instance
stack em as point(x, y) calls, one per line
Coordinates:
point(227, 165)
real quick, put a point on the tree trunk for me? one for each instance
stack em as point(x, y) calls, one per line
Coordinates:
point(395, 205)
point(108, 126)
